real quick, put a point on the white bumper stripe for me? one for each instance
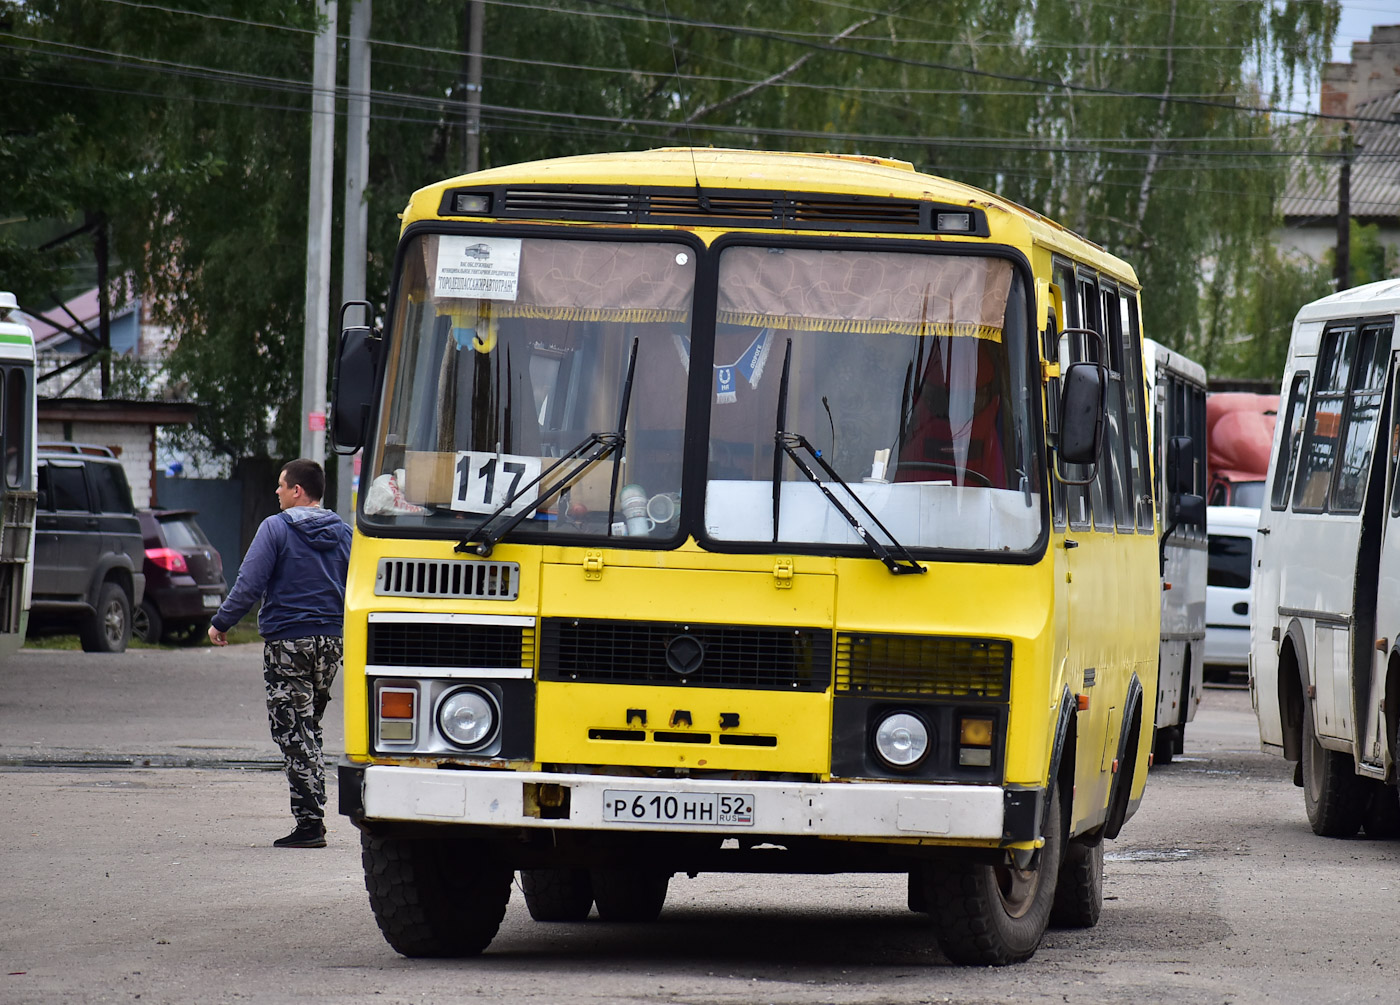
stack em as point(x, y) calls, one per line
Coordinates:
point(867, 809)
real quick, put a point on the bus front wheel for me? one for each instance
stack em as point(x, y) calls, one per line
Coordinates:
point(1079, 889)
point(435, 897)
point(992, 915)
point(1332, 794)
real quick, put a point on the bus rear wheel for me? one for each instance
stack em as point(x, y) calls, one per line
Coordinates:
point(557, 894)
point(629, 894)
point(1332, 794)
point(992, 915)
point(434, 897)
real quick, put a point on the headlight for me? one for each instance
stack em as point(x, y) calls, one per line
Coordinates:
point(901, 739)
point(468, 717)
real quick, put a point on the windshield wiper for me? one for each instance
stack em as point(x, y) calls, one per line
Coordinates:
point(590, 450)
point(896, 557)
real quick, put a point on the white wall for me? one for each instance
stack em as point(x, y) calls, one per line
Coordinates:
point(131, 440)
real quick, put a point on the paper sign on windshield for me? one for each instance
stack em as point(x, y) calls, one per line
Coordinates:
point(482, 268)
point(484, 481)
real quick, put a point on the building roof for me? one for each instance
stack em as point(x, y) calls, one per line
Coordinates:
point(1375, 170)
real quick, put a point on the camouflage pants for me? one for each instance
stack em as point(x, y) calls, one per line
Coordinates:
point(298, 674)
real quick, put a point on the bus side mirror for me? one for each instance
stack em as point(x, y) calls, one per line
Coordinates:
point(1180, 471)
point(1083, 405)
point(1187, 508)
point(352, 390)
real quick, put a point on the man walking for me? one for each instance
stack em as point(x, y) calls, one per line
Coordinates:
point(296, 566)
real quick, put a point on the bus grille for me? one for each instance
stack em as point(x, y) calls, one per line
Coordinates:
point(730, 208)
point(737, 656)
point(417, 577)
point(434, 644)
point(922, 665)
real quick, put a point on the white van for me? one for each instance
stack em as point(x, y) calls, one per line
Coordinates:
point(1231, 533)
point(1325, 618)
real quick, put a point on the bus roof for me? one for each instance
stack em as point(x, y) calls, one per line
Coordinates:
point(1373, 298)
point(721, 168)
point(1174, 362)
point(16, 341)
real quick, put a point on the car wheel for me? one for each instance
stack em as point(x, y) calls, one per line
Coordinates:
point(146, 624)
point(188, 634)
point(108, 629)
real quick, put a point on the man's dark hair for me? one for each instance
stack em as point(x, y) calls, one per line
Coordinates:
point(307, 474)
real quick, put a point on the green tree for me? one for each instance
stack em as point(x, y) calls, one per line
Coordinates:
point(187, 127)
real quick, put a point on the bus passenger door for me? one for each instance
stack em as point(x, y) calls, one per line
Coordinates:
point(1383, 583)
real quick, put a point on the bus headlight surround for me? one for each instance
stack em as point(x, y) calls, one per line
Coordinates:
point(468, 717)
point(902, 740)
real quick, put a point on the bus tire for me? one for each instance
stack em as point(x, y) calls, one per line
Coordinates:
point(557, 894)
point(1332, 794)
point(1079, 888)
point(434, 897)
point(985, 915)
point(1382, 818)
point(108, 628)
point(1164, 745)
point(629, 894)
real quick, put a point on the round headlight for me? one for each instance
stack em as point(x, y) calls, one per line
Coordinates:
point(468, 717)
point(901, 739)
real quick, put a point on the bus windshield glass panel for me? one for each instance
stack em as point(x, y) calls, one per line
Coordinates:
point(512, 352)
point(908, 373)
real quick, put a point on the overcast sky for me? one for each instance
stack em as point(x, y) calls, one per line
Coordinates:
point(1358, 17)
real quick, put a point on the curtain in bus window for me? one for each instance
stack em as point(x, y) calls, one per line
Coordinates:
point(872, 292)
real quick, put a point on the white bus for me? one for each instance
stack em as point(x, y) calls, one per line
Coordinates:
point(1325, 619)
point(1177, 389)
point(17, 475)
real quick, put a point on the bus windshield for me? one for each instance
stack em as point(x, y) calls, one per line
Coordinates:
point(907, 372)
point(513, 351)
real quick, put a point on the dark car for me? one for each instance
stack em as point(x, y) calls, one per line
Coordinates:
point(88, 554)
point(184, 578)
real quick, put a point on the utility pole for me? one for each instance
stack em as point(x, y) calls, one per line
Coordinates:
point(476, 14)
point(318, 238)
point(1344, 213)
point(352, 274)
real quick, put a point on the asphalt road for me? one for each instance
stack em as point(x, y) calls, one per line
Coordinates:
point(121, 882)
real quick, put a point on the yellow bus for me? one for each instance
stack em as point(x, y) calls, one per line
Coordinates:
point(744, 512)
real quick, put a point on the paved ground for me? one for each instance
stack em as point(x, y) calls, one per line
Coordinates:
point(158, 885)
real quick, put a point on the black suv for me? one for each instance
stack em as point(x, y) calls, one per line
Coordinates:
point(88, 550)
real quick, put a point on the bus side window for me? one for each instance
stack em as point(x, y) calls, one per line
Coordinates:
point(1290, 441)
point(1362, 417)
point(1324, 427)
point(1395, 455)
point(1135, 417)
point(1116, 443)
point(1101, 488)
point(1071, 350)
point(17, 445)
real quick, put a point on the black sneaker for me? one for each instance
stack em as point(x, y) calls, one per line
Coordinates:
point(305, 836)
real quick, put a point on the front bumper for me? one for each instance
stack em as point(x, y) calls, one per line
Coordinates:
point(501, 798)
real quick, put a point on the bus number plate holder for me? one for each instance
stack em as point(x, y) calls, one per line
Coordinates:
point(716, 809)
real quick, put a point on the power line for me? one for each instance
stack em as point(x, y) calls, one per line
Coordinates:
point(808, 40)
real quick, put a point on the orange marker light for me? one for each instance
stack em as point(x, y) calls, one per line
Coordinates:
point(396, 704)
